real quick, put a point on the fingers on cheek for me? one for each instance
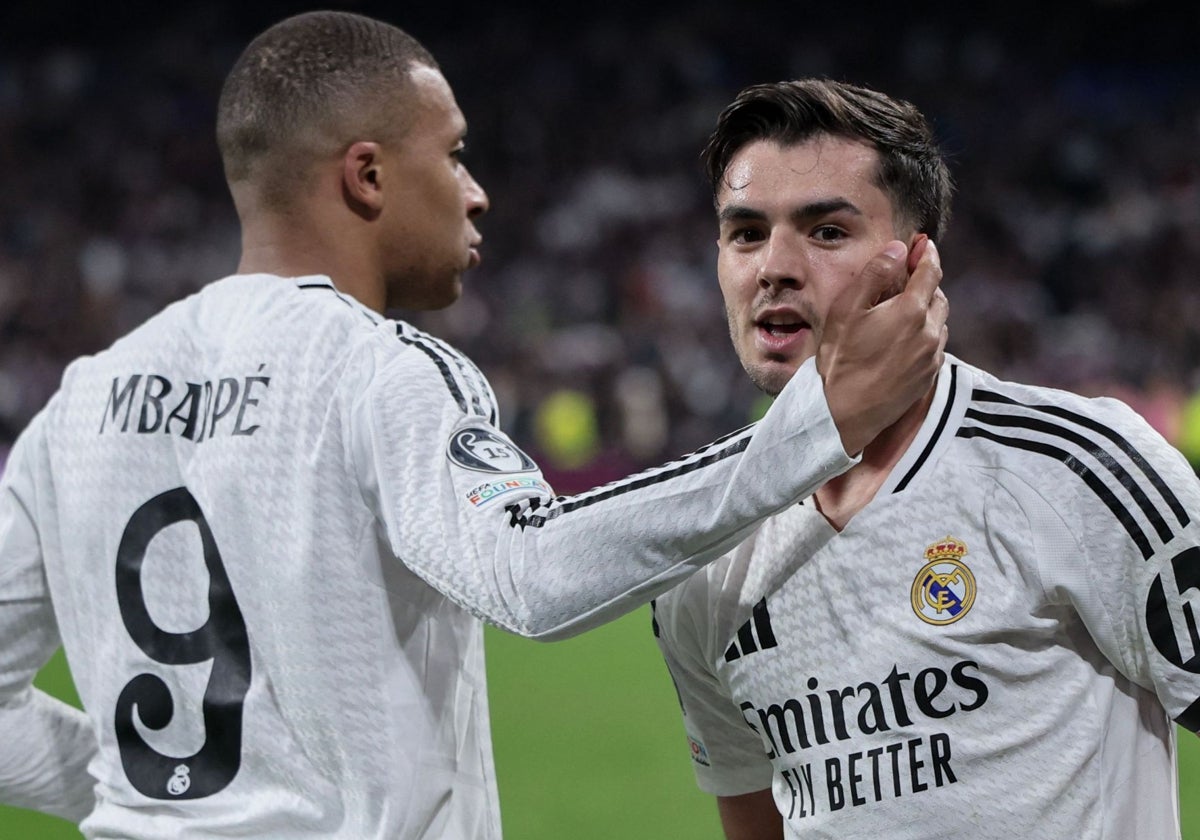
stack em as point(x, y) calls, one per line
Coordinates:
point(917, 251)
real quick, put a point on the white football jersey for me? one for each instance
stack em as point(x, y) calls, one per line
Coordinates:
point(264, 525)
point(994, 647)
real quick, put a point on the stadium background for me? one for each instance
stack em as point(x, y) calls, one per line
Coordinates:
point(1073, 130)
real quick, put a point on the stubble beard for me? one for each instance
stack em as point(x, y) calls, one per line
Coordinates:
point(764, 375)
point(760, 378)
point(766, 382)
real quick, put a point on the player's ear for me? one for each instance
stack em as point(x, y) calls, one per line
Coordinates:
point(362, 178)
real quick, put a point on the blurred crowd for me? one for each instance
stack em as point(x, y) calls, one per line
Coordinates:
point(1071, 258)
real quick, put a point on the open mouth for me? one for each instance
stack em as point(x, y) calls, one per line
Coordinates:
point(781, 327)
point(782, 332)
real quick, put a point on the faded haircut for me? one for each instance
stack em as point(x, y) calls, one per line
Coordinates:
point(912, 171)
point(310, 86)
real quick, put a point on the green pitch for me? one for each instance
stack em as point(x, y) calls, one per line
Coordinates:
point(588, 744)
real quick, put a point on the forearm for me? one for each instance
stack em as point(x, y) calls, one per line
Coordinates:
point(45, 747)
point(549, 569)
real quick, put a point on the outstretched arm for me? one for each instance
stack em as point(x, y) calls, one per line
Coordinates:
point(475, 520)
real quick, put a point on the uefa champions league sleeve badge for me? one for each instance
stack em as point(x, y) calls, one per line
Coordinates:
point(482, 450)
point(944, 590)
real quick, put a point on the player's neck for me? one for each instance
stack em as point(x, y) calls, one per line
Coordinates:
point(841, 498)
point(293, 248)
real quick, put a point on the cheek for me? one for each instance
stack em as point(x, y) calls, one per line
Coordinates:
point(734, 299)
point(843, 268)
point(736, 279)
point(456, 194)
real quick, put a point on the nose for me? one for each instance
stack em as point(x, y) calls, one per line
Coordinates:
point(476, 198)
point(782, 263)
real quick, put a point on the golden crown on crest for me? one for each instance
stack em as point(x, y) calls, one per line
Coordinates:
point(946, 549)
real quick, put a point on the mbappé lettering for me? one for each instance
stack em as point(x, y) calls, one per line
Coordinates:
point(148, 403)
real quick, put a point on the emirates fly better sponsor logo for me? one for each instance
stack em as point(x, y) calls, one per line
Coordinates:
point(889, 729)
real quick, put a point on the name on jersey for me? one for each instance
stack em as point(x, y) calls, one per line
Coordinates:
point(149, 403)
point(885, 770)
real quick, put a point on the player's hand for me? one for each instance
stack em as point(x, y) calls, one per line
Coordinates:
point(883, 341)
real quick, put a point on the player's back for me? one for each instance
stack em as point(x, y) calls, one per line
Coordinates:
point(253, 660)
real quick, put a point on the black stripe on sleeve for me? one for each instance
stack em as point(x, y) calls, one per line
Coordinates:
point(1090, 478)
point(440, 361)
point(722, 440)
point(1088, 423)
point(470, 373)
point(567, 504)
point(1092, 448)
point(441, 354)
point(937, 432)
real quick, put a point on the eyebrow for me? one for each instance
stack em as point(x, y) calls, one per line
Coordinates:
point(814, 209)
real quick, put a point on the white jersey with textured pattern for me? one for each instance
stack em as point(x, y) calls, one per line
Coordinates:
point(994, 647)
point(264, 526)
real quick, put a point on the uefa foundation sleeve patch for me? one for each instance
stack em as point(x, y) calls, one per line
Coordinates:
point(481, 450)
point(509, 489)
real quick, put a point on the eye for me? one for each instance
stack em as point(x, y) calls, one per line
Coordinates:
point(744, 235)
point(828, 233)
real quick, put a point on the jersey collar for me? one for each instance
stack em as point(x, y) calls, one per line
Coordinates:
point(950, 400)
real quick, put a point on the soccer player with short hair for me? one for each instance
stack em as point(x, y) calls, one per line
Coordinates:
point(987, 627)
point(265, 524)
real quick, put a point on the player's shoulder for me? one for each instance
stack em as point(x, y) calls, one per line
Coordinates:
point(989, 389)
point(1042, 421)
point(288, 329)
point(337, 332)
point(248, 308)
point(1082, 454)
point(437, 350)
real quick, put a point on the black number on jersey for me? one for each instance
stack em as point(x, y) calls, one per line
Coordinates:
point(221, 639)
point(1178, 639)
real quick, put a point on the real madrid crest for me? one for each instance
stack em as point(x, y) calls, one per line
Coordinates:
point(944, 590)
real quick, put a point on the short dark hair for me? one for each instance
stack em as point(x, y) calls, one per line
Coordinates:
point(912, 170)
point(307, 85)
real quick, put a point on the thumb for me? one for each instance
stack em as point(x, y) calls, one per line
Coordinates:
point(884, 276)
